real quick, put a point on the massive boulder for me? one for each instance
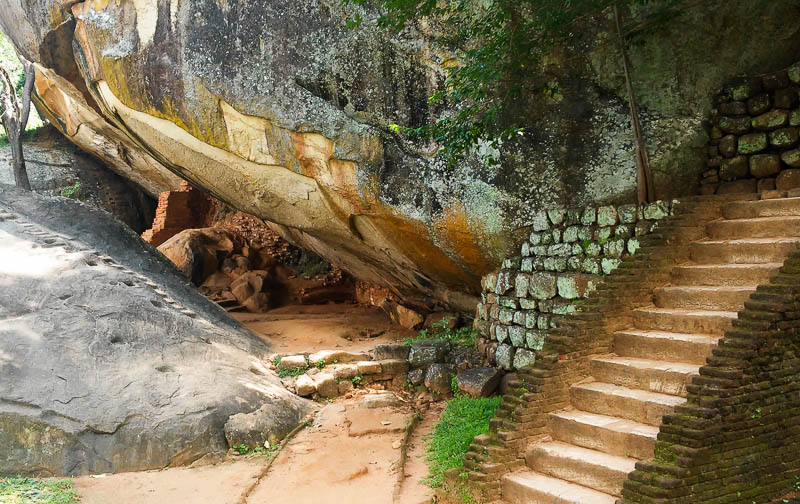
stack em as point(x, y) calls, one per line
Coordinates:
point(109, 359)
point(277, 108)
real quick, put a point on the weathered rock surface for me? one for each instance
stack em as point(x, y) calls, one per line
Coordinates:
point(277, 108)
point(198, 252)
point(479, 382)
point(267, 424)
point(110, 360)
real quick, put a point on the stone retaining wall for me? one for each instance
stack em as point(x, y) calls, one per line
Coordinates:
point(755, 135)
point(568, 252)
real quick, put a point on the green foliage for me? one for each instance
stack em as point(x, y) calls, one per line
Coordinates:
point(464, 336)
point(310, 264)
point(10, 61)
point(265, 448)
point(283, 373)
point(462, 420)
point(357, 379)
point(28, 135)
point(36, 491)
point(75, 191)
point(502, 48)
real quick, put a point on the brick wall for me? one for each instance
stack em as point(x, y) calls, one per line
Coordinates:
point(186, 208)
point(737, 439)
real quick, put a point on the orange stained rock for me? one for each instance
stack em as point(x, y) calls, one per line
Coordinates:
point(454, 229)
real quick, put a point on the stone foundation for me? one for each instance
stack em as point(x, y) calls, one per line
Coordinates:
point(569, 251)
point(755, 135)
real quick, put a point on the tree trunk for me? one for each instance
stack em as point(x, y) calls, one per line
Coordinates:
point(15, 119)
point(20, 172)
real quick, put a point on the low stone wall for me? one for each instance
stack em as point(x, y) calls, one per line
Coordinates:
point(568, 252)
point(431, 364)
point(755, 135)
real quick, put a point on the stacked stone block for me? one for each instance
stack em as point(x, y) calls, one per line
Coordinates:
point(755, 135)
point(567, 254)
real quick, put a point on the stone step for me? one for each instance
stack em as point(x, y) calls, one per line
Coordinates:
point(683, 321)
point(664, 346)
point(528, 487)
point(762, 227)
point(590, 468)
point(753, 250)
point(722, 298)
point(623, 402)
point(612, 435)
point(764, 208)
point(653, 375)
point(724, 274)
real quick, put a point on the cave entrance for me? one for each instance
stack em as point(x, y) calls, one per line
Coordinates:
point(289, 296)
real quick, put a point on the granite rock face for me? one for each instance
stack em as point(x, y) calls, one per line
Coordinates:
point(110, 360)
point(275, 107)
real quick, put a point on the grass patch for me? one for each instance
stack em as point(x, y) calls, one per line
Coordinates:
point(462, 420)
point(36, 491)
point(464, 336)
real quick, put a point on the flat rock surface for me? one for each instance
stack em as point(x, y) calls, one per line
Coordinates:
point(324, 463)
point(110, 360)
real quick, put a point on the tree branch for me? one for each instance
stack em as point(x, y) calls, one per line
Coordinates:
point(30, 78)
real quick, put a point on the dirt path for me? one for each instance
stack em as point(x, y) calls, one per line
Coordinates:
point(224, 483)
point(308, 328)
point(350, 454)
point(412, 489)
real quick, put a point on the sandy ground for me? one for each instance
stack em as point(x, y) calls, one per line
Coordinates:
point(412, 489)
point(225, 483)
point(307, 328)
point(349, 454)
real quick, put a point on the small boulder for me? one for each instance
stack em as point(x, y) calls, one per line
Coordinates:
point(439, 378)
point(292, 362)
point(393, 367)
point(326, 385)
point(270, 423)
point(765, 165)
point(479, 382)
point(382, 352)
point(305, 386)
point(788, 180)
point(382, 400)
point(402, 315)
point(443, 320)
point(196, 252)
point(257, 303)
point(416, 376)
point(427, 352)
point(247, 285)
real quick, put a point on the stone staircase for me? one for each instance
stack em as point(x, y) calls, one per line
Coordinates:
point(614, 414)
